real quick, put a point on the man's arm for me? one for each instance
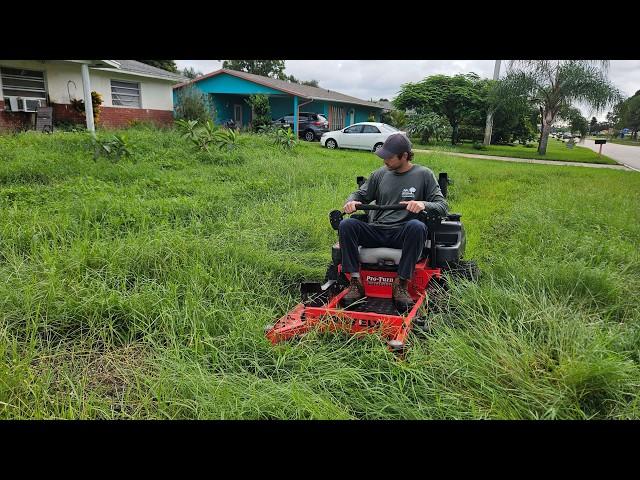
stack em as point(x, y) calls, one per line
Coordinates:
point(365, 193)
point(435, 201)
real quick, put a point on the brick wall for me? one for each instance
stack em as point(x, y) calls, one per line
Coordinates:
point(110, 117)
point(63, 112)
point(14, 121)
point(115, 117)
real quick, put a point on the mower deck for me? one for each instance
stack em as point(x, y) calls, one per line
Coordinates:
point(376, 313)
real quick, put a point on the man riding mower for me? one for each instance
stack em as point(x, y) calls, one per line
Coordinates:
point(386, 259)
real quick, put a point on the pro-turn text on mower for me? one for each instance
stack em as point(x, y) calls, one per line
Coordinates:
point(321, 305)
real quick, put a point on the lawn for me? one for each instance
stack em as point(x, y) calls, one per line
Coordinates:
point(556, 150)
point(140, 289)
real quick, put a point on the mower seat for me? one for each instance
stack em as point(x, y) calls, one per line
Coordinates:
point(383, 255)
point(379, 255)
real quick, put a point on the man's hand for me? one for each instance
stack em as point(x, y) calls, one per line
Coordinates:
point(414, 206)
point(350, 207)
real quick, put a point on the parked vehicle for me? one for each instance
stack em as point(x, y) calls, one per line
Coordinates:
point(311, 125)
point(363, 136)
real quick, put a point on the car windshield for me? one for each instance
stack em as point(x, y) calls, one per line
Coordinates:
point(389, 127)
point(321, 118)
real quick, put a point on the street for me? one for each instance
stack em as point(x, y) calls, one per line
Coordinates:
point(625, 154)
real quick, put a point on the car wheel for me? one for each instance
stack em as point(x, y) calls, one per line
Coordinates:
point(377, 147)
point(331, 144)
point(308, 136)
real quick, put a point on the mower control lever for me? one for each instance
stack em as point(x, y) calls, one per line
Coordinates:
point(393, 206)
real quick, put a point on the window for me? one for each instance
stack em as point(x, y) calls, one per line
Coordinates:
point(23, 83)
point(126, 94)
point(354, 129)
point(370, 129)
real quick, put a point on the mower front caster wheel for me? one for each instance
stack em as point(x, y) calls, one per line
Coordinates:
point(396, 346)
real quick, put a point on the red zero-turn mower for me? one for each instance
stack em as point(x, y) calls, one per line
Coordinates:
point(321, 305)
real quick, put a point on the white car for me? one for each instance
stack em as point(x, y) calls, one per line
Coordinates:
point(363, 136)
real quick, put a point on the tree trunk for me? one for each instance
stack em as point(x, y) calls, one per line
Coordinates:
point(547, 121)
point(541, 126)
point(454, 134)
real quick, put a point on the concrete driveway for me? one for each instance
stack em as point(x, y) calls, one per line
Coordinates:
point(626, 154)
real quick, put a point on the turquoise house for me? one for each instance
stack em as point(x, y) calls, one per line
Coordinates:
point(228, 90)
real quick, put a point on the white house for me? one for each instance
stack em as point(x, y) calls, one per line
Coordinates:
point(130, 90)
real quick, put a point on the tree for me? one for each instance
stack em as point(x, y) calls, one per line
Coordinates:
point(456, 98)
point(554, 85)
point(310, 83)
point(630, 114)
point(191, 73)
point(593, 124)
point(428, 125)
point(169, 65)
point(266, 68)
point(577, 123)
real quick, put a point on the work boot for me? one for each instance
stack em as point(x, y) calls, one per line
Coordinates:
point(400, 295)
point(355, 292)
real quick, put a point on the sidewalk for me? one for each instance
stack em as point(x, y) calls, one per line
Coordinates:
point(528, 160)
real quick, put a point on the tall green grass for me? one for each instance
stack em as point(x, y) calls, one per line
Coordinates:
point(140, 289)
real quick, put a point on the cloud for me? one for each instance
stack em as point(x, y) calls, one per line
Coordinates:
point(376, 79)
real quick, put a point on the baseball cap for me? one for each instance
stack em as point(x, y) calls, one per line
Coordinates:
point(395, 144)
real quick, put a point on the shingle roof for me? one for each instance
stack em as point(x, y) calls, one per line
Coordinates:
point(304, 91)
point(134, 66)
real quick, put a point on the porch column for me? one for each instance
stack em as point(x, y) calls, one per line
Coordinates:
point(88, 104)
point(295, 115)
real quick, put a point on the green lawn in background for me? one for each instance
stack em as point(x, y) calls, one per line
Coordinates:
point(140, 289)
point(556, 150)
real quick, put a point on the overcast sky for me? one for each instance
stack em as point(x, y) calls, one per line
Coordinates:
point(377, 79)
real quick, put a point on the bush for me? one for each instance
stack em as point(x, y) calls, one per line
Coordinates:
point(285, 139)
point(468, 132)
point(113, 148)
point(192, 104)
point(96, 101)
point(479, 146)
point(208, 135)
point(261, 110)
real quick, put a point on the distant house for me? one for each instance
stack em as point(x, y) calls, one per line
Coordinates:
point(386, 106)
point(228, 90)
point(130, 90)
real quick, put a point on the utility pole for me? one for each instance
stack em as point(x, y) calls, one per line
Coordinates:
point(489, 126)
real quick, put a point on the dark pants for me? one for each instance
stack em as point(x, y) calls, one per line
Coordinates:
point(410, 238)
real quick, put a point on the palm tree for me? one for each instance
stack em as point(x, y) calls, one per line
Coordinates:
point(555, 85)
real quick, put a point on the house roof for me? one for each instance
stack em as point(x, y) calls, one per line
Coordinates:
point(144, 70)
point(304, 91)
point(384, 104)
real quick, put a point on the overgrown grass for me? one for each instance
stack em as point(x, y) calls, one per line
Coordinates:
point(556, 150)
point(140, 289)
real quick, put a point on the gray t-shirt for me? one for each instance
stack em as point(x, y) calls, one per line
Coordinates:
point(386, 187)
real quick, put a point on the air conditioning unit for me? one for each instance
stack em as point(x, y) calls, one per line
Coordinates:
point(23, 104)
point(30, 104)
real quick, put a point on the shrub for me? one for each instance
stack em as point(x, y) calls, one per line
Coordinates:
point(285, 139)
point(261, 110)
point(468, 132)
point(192, 104)
point(113, 148)
point(208, 135)
point(96, 101)
point(479, 146)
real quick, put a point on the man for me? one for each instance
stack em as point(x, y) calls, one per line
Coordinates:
point(399, 181)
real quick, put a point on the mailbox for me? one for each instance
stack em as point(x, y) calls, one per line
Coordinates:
point(600, 142)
